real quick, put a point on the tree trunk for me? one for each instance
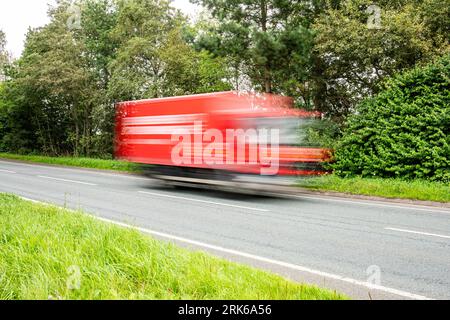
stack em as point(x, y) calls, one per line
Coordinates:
point(77, 139)
point(267, 73)
point(77, 130)
point(267, 80)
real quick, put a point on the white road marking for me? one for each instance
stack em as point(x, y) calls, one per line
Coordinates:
point(377, 204)
point(7, 171)
point(203, 201)
point(35, 201)
point(254, 257)
point(71, 181)
point(418, 232)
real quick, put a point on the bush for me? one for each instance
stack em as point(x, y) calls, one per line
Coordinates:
point(404, 131)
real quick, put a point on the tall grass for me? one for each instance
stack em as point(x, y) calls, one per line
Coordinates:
point(387, 188)
point(50, 253)
point(91, 163)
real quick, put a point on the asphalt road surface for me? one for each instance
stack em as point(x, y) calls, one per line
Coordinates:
point(368, 250)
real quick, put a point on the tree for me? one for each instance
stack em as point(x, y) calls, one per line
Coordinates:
point(56, 84)
point(187, 71)
point(353, 57)
point(98, 20)
point(154, 60)
point(404, 131)
point(213, 73)
point(142, 29)
point(269, 37)
point(17, 125)
point(4, 56)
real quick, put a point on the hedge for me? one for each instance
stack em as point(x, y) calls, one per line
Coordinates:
point(404, 131)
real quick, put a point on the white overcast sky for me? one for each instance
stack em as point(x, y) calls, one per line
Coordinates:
point(17, 15)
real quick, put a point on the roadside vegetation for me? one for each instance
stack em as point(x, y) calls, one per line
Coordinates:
point(392, 188)
point(402, 132)
point(89, 163)
point(398, 143)
point(52, 253)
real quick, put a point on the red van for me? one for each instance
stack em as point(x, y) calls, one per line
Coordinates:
point(224, 138)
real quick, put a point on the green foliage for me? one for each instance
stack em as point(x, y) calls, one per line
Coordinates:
point(154, 60)
point(142, 31)
point(213, 75)
point(322, 52)
point(352, 60)
point(404, 131)
point(4, 56)
point(421, 190)
point(41, 246)
point(17, 128)
point(268, 37)
point(321, 133)
point(90, 163)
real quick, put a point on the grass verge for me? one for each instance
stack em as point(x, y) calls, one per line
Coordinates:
point(386, 188)
point(48, 252)
point(89, 163)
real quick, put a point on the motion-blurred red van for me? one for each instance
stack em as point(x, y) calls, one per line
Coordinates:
point(224, 138)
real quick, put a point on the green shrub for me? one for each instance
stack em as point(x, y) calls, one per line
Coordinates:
point(404, 131)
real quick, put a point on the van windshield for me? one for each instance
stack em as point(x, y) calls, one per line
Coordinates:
point(293, 131)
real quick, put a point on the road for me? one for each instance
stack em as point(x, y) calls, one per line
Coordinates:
point(368, 250)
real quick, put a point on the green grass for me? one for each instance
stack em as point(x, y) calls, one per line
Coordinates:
point(387, 188)
point(90, 163)
point(39, 245)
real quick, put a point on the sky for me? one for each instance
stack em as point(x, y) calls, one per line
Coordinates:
point(17, 15)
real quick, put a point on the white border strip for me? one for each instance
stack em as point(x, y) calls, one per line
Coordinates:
point(377, 204)
point(418, 232)
point(202, 201)
point(65, 180)
point(7, 171)
point(256, 258)
point(110, 173)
